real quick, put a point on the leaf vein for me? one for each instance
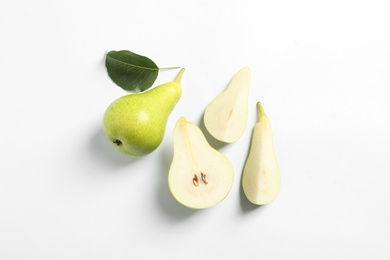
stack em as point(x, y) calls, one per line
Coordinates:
point(132, 65)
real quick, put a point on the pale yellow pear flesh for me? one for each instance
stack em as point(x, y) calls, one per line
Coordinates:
point(261, 175)
point(225, 118)
point(194, 157)
point(135, 124)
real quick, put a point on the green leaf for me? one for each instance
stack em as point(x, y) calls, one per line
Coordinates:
point(131, 71)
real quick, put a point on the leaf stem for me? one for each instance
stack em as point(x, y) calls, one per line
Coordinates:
point(169, 68)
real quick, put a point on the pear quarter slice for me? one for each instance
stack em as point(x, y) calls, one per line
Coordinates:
point(261, 175)
point(226, 116)
point(199, 176)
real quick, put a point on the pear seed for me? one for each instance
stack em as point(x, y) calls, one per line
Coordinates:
point(195, 180)
point(204, 178)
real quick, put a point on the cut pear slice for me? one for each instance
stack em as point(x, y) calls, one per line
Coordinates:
point(261, 175)
point(200, 176)
point(226, 116)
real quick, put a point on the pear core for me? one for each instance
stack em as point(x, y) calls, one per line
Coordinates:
point(225, 118)
point(199, 176)
point(261, 174)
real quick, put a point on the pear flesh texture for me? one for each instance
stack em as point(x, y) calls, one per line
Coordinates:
point(199, 176)
point(261, 175)
point(226, 116)
point(135, 124)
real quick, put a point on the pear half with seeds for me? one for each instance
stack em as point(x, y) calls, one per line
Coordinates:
point(261, 175)
point(225, 118)
point(199, 176)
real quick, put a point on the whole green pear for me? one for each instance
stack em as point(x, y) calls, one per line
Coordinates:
point(135, 124)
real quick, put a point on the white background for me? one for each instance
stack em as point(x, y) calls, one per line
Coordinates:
point(320, 68)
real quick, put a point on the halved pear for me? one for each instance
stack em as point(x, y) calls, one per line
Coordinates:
point(200, 176)
point(261, 175)
point(226, 116)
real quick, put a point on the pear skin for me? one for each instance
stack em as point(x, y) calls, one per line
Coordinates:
point(225, 118)
point(135, 124)
point(199, 176)
point(261, 174)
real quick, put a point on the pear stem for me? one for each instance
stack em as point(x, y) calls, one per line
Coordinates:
point(179, 76)
point(260, 110)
